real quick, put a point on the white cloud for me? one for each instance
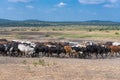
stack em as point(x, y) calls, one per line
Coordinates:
point(110, 5)
point(113, 1)
point(29, 6)
point(105, 3)
point(91, 1)
point(19, 1)
point(61, 4)
point(94, 13)
point(97, 1)
point(11, 8)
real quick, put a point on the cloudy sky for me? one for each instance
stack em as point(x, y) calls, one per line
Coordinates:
point(60, 10)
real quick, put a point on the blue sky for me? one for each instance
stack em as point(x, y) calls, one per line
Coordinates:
point(60, 10)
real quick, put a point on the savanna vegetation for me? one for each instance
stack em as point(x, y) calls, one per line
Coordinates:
point(35, 29)
point(61, 32)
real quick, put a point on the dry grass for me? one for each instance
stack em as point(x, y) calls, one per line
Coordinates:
point(111, 35)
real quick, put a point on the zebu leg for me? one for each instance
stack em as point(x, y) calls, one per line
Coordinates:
point(102, 55)
point(96, 54)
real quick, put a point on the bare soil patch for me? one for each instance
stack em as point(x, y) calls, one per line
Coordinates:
point(59, 69)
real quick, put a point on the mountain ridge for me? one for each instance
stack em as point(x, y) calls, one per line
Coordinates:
point(36, 20)
point(37, 23)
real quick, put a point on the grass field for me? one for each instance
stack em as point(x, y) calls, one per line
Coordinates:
point(60, 33)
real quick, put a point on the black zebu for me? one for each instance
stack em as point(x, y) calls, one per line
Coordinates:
point(95, 50)
point(12, 49)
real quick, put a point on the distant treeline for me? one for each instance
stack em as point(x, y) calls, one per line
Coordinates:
point(37, 23)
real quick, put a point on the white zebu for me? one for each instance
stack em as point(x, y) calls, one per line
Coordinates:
point(26, 50)
point(25, 42)
point(116, 43)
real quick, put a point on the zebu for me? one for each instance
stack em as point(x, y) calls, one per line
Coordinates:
point(114, 50)
point(26, 50)
point(116, 43)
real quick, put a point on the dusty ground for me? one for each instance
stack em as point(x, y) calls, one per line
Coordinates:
point(59, 69)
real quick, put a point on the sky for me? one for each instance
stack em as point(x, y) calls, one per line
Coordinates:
point(60, 10)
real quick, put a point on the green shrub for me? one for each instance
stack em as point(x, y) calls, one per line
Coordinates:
point(90, 30)
point(24, 62)
point(40, 62)
point(47, 35)
point(116, 33)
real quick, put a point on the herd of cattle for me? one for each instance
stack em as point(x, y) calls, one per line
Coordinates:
point(18, 48)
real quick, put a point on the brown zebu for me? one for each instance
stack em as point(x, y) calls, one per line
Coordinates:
point(114, 50)
point(70, 52)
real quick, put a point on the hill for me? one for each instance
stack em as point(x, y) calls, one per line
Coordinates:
point(38, 23)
